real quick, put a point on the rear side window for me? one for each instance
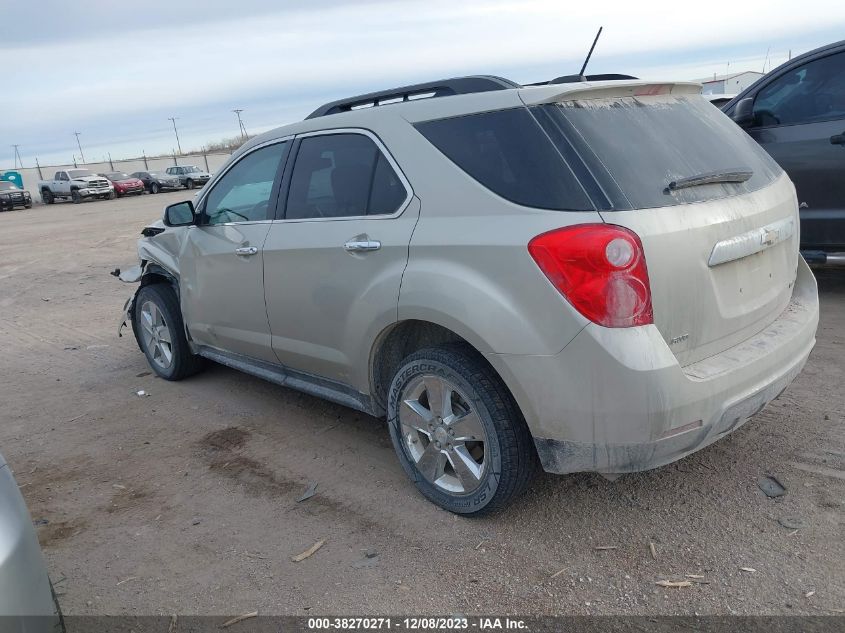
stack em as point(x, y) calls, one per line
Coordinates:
point(342, 175)
point(641, 144)
point(509, 153)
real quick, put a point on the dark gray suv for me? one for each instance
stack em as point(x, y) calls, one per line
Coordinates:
point(797, 113)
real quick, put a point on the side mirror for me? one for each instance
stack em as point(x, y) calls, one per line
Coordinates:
point(743, 114)
point(180, 214)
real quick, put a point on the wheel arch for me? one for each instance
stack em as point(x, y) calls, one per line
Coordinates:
point(157, 274)
point(403, 338)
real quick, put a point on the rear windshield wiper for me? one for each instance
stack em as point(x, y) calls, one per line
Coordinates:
point(731, 175)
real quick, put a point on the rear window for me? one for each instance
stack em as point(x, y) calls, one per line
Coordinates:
point(509, 153)
point(644, 143)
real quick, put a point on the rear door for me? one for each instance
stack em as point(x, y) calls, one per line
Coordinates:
point(722, 257)
point(334, 260)
point(221, 270)
point(800, 121)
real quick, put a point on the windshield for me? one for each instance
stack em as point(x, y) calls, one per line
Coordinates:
point(154, 174)
point(190, 169)
point(7, 186)
point(79, 173)
point(117, 175)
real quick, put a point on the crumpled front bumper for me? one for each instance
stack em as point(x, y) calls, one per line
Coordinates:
point(129, 276)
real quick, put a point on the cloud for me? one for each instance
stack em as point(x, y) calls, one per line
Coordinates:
point(267, 58)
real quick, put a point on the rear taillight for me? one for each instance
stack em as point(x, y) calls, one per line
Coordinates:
point(600, 269)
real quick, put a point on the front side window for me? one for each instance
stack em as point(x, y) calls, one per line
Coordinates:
point(812, 92)
point(243, 193)
point(342, 175)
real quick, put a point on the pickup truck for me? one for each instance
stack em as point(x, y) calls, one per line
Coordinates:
point(76, 184)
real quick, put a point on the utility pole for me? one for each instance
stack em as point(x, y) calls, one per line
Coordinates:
point(241, 125)
point(18, 158)
point(176, 132)
point(81, 155)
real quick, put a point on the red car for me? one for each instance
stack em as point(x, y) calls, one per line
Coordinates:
point(124, 184)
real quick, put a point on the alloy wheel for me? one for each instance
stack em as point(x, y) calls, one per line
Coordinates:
point(443, 434)
point(156, 335)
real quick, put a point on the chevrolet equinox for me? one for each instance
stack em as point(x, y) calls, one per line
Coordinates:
point(583, 276)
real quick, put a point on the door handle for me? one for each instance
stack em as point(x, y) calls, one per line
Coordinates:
point(362, 246)
point(246, 250)
point(838, 139)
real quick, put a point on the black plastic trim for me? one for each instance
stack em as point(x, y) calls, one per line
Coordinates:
point(325, 388)
point(440, 88)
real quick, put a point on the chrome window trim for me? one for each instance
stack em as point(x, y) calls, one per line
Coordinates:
point(214, 181)
point(409, 192)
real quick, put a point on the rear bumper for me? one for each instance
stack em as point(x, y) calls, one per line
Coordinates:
point(616, 400)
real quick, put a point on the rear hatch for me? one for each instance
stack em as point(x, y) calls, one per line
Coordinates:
point(722, 256)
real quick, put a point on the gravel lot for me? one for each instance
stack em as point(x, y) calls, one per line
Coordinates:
point(185, 501)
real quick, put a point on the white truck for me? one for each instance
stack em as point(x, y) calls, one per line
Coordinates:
point(76, 184)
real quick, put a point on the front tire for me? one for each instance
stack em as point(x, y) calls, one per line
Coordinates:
point(189, 184)
point(457, 431)
point(154, 188)
point(75, 197)
point(159, 330)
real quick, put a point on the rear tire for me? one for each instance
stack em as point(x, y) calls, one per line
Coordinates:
point(457, 431)
point(47, 197)
point(160, 332)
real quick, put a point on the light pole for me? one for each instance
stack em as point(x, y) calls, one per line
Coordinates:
point(78, 144)
point(176, 132)
point(18, 158)
point(241, 125)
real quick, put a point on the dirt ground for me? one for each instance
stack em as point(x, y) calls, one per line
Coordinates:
point(185, 501)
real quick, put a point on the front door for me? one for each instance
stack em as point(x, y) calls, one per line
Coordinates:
point(800, 121)
point(221, 265)
point(334, 263)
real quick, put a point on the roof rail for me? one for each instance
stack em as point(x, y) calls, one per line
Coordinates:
point(431, 89)
point(571, 79)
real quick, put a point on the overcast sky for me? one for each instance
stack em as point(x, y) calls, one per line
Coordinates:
point(115, 71)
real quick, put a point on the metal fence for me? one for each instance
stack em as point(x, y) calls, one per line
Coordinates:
point(211, 162)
